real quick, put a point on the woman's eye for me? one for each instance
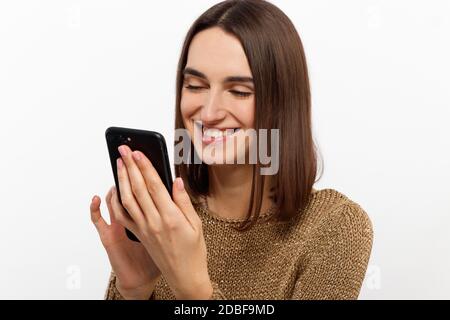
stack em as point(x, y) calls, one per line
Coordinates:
point(240, 93)
point(193, 88)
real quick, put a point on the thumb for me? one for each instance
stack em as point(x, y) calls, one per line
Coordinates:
point(96, 216)
point(183, 201)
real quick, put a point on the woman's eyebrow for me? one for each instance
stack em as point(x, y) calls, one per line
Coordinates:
point(199, 74)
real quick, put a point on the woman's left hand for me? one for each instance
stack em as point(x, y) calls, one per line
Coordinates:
point(170, 230)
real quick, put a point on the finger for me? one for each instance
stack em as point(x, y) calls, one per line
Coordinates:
point(126, 194)
point(155, 186)
point(121, 215)
point(138, 184)
point(96, 216)
point(183, 201)
point(108, 204)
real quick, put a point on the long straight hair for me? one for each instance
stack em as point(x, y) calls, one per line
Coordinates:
point(282, 101)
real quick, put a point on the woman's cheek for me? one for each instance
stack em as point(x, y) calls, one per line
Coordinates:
point(188, 105)
point(247, 112)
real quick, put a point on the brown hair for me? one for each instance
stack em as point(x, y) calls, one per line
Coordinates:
point(282, 101)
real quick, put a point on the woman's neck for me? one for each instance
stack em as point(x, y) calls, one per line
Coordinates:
point(230, 190)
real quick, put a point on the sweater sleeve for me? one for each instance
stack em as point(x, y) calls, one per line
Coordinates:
point(217, 293)
point(339, 256)
point(113, 294)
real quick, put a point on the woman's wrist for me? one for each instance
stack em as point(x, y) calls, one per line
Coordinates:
point(201, 291)
point(143, 292)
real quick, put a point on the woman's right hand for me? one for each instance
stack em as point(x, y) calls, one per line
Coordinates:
point(136, 273)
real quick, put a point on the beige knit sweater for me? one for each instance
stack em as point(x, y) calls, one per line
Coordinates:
point(322, 253)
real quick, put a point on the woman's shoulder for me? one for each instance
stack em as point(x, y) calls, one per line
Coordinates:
point(331, 209)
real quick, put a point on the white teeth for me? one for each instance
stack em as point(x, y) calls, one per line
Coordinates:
point(216, 133)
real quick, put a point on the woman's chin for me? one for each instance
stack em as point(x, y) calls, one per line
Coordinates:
point(218, 161)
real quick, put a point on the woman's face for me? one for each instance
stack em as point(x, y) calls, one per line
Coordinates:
point(217, 98)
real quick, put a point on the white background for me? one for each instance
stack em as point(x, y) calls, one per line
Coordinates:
point(69, 69)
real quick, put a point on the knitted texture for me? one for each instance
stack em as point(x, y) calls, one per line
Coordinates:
point(321, 253)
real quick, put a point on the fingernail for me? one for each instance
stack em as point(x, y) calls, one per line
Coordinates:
point(93, 198)
point(180, 183)
point(122, 151)
point(119, 163)
point(136, 155)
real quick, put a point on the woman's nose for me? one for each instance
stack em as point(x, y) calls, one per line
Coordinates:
point(213, 110)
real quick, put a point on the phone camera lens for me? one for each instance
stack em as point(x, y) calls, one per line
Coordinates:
point(121, 139)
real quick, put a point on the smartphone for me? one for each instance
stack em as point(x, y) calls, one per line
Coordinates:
point(150, 143)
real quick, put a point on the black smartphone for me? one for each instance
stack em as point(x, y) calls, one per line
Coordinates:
point(150, 143)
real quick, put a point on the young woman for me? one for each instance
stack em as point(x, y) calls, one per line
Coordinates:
point(228, 231)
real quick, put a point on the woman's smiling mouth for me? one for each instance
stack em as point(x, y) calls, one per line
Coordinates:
point(214, 134)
